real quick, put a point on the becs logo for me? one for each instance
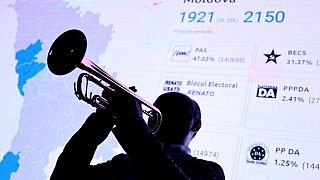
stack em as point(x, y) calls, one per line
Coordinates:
point(266, 91)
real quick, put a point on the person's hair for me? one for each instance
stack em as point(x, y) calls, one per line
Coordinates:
point(179, 112)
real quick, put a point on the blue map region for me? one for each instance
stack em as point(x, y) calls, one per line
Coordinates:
point(9, 165)
point(27, 67)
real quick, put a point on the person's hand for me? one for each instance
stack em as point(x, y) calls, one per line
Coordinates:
point(130, 125)
point(122, 106)
point(106, 115)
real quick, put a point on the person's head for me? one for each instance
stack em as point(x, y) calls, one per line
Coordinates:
point(181, 118)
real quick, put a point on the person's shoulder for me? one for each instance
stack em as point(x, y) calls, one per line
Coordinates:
point(207, 164)
point(196, 167)
point(120, 157)
point(211, 168)
point(119, 161)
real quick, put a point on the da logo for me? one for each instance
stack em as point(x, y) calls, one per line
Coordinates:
point(258, 153)
point(267, 91)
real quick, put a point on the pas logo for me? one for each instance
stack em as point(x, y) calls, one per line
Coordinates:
point(266, 91)
point(181, 53)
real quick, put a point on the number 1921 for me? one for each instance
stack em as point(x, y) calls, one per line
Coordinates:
point(196, 17)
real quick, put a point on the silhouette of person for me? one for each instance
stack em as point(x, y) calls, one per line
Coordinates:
point(163, 155)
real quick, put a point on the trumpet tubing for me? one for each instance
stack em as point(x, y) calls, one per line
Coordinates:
point(67, 53)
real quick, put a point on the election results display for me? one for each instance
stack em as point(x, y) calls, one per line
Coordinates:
point(253, 67)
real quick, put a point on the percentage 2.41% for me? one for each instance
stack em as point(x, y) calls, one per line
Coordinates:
point(293, 99)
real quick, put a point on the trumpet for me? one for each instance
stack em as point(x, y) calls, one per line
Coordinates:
point(68, 52)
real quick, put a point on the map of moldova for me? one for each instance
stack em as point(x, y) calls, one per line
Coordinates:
point(50, 113)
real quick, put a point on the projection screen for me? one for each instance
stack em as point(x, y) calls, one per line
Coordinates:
point(251, 65)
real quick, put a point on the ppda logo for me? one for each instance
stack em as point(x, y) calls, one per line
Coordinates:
point(267, 91)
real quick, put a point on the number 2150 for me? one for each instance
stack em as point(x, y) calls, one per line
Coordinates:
point(268, 17)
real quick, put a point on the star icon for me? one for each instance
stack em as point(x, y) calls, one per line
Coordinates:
point(272, 56)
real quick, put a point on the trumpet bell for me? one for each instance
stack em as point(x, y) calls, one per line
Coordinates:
point(67, 52)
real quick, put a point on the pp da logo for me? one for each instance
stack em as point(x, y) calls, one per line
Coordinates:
point(266, 91)
point(258, 153)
